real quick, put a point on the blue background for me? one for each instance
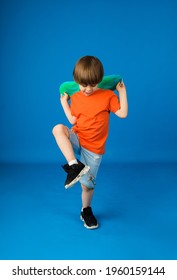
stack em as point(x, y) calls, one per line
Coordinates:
point(135, 200)
point(40, 43)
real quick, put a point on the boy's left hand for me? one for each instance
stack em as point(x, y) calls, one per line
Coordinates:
point(120, 87)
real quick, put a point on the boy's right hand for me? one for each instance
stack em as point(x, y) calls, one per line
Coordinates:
point(64, 97)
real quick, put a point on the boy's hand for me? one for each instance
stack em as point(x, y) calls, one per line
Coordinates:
point(64, 98)
point(120, 87)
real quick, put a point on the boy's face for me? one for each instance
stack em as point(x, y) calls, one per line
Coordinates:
point(88, 89)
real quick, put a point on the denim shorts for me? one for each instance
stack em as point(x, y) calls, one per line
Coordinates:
point(88, 158)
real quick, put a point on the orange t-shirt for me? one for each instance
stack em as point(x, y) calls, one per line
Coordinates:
point(92, 113)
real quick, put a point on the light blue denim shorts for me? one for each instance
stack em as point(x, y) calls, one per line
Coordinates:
point(88, 158)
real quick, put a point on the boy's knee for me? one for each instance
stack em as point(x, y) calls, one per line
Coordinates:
point(58, 129)
point(87, 189)
point(88, 181)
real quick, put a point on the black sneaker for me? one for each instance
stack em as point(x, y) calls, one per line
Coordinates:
point(75, 172)
point(88, 218)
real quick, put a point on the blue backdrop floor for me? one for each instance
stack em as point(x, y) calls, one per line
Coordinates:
point(135, 204)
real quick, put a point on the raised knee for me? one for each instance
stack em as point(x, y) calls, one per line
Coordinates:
point(57, 129)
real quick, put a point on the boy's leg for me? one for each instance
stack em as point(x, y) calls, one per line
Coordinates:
point(87, 195)
point(61, 135)
point(74, 168)
point(87, 216)
point(88, 183)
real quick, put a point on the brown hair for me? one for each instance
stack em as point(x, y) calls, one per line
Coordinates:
point(88, 71)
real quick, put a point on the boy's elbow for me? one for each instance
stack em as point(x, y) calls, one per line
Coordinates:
point(123, 115)
point(72, 120)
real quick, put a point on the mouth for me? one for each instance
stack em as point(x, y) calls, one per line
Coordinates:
point(88, 93)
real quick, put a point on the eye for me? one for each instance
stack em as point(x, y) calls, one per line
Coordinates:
point(91, 85)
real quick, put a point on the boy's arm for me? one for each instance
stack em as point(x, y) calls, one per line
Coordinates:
point(64, 102)
point(123, 111)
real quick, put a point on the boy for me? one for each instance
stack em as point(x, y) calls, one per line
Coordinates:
point(88, 112)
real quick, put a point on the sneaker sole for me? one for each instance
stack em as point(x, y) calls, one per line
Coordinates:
point(92, 227)
point(82, 173)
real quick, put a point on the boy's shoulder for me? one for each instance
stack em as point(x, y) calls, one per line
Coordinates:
point(105, 92)
point(109, 91)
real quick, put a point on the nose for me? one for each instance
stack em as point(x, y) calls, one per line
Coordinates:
point(88, 88)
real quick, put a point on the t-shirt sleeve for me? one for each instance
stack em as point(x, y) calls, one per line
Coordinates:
point(114, 104)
